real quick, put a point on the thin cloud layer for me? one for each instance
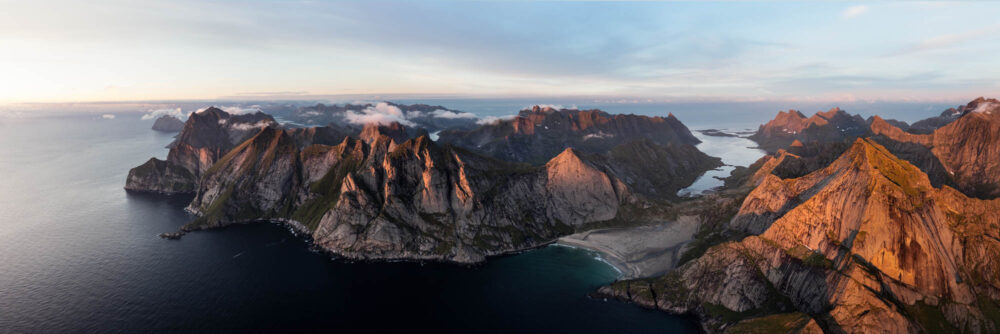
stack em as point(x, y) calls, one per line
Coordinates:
point(494, 119)
point(247, 127)
point(447, 114)
point(945, 41)
point(381, 113)
point(553, 106)
point(157, 113)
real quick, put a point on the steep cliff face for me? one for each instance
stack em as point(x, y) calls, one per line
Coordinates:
point(964, 153)
point(162, 177)
point(866, 244)
point(207, 136)
point(538, 134)
point(834, 125)
point(168, 123)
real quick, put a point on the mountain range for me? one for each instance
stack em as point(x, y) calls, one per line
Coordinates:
point(852, 237)
point(847, 225)
point(390, 192)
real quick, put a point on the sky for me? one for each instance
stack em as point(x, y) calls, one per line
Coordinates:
point(79, 51)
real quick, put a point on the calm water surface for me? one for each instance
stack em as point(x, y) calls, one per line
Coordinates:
point(78, 254)
point(734, 151)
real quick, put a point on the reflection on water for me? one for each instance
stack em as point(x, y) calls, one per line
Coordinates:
point(734, 151)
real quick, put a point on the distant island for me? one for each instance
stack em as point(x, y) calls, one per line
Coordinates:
point(168, 123)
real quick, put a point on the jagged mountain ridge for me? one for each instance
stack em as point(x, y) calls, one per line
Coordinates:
point(381, 193)
point(865, 244)
point(960, 153)
point(964, 153)
point(787, 127)
point(836, 125)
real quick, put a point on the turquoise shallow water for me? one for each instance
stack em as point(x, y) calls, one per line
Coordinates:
point(78, 254)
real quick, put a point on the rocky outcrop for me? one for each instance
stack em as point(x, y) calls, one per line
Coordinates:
point(162, 177)
point(168, 123)
point(206, 137)
point(539, 134)
point(866, 244)
point(834, 125)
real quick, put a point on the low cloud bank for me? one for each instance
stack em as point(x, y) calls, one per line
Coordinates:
point(384, 113)
point(381, 113)
point(157, 113)
point(553, 106)
point(448, 114)
point(247, 127)
point(494, 119)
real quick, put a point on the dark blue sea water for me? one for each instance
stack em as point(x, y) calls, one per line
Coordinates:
point(78, 254)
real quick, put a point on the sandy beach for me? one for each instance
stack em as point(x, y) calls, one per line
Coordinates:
point(638, 251)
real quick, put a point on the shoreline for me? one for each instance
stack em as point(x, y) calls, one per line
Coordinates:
point(637, 252)
point(604, 255)
point(627, 250)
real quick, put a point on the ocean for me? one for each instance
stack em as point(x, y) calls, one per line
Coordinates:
point(79, 254)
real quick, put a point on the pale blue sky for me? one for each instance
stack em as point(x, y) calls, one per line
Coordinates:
point(57, 51)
